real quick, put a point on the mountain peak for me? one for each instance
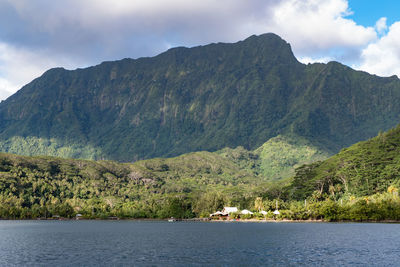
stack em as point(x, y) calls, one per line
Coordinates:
point(265, 37)
point(271, 46)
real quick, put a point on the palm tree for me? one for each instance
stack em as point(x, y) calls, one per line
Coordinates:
point(393, 190)
point(258, 204)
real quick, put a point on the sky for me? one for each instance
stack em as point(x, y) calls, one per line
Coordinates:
point(42, 34)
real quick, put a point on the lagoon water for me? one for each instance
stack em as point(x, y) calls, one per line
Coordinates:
point(103, 243)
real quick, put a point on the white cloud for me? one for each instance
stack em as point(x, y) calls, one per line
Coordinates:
point(318, 26)
point(383, 57)
point(307, 24)
point(19, 66)
point(307, 60)
point(7, 88)
point(381, 26)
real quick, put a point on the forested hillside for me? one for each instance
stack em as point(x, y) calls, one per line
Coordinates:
point(196, 183)
point(366, 168)
point(361, 183)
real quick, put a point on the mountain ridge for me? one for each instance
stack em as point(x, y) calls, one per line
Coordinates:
point(200, 98)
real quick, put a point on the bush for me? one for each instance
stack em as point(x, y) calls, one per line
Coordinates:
point(234, 215)
point(246, 216)
point(329, 210)
point(258, 215)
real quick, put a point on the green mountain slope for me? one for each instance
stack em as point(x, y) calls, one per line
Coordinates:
point(192, 99)
point(200, 181)
point(280, 155)
point(364, 169)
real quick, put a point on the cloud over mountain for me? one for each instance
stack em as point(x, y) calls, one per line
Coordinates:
point(74, 33)
point(383, 56)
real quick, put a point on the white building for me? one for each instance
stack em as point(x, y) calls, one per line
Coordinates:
point(218, 213)
point(228, 210)
point(246, 212)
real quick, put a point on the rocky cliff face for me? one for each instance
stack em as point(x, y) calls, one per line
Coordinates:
point(201, 98)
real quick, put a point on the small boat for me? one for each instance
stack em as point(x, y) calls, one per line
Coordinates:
point(172, 219)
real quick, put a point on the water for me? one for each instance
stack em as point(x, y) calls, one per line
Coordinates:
point(103, 243)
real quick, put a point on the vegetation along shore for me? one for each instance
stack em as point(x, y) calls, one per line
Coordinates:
point(358, 184)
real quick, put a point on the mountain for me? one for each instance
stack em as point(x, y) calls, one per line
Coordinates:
point(363, 169)
point(202, 98)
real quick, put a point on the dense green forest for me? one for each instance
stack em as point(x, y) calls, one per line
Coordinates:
point(203, 98)
point(193, 184)
point(359, 184)
point(366, 168)
point(252, 112)
point(274, 160)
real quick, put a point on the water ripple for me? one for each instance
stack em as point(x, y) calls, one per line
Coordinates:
point(122, 243)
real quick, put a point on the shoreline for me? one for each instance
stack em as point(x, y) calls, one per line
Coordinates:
point(304, 221)
point(204, 220)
